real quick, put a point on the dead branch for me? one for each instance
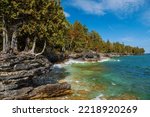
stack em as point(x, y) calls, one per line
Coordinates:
point(42, 50)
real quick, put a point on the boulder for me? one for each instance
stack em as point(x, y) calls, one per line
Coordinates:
point(75, 55)
point(91, 56)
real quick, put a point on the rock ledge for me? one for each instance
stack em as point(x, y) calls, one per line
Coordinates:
point(22, 77)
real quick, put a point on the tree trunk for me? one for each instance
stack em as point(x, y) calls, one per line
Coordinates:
point(63, 49)
point(34, 45)
point(4, 41)
point(6, 32)
point(14, 41)
point(27, 45)
point(4, 36)
point(70, 44)
point(7, 42)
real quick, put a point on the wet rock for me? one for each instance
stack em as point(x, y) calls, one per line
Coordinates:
point(50, 90)
point(91, 56)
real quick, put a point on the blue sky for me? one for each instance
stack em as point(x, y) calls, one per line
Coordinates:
point(126, 21)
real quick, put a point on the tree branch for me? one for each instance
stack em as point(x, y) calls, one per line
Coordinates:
point(42, 50)
point(33, 47)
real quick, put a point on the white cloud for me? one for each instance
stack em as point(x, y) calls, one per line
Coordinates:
point(66, 14)
point(100, 7)
point(89, 6)
point(123, 5)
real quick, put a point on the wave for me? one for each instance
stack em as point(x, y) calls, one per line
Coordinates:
point(104, 60)
point(109, 59)
point(58, 65)
point(72, 61)
point(69, 62)
point(118, 60)
point(113, 84)
point(115, 60)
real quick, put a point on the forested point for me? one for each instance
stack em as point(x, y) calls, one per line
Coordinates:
point(40, 26)
point(30, 29)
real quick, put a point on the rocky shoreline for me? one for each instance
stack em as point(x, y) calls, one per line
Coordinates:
point(25, 76)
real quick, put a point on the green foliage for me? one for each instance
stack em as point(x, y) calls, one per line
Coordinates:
point(41, 19)
point(80, 40)
point(95, 41)
point(45, 20)
point(76, 37)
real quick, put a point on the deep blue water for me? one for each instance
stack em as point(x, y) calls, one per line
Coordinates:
point(119, 78)
point(131, 74)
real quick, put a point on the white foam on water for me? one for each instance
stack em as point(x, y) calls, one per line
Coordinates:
point(104, 60)
point(77, 81)
point(113, 84)
point(61, 65)
point(98, 97)
point(68, 62)
point(114, 60)
point(72, 61)
point(117, 60)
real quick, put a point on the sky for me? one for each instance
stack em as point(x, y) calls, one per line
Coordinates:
point(125, 21)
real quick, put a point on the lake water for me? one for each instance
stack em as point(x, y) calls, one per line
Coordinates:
point(118, 78)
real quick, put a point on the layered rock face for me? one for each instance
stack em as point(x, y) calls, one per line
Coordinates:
point(28, 77)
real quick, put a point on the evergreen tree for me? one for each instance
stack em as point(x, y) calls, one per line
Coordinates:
point(30, 24)
point(32, 20)
point(96, 41)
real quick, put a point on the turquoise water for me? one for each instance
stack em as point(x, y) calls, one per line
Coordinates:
point(119, 78)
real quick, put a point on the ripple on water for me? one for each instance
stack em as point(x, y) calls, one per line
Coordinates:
point(125, 96)
point(113, 80)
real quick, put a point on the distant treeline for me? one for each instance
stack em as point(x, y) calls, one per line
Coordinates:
point(80, 39)
point(35, 22)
